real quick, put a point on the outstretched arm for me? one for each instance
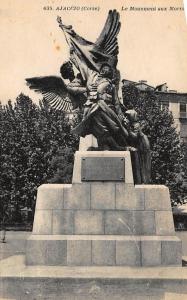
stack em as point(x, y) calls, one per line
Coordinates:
point(76, 90)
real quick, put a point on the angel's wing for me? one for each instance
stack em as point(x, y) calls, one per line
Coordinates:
point(107, 41)
point(54, 90)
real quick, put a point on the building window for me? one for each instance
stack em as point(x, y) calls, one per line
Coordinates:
point(182, 107)
point(164, 104)
point(183, 113)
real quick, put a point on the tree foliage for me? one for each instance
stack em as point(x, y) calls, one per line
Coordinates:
point(31, 137)
point(166, 148)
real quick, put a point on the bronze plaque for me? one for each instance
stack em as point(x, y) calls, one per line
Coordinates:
point(103, 169)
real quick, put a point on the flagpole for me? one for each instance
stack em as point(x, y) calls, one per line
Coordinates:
point(59, 20)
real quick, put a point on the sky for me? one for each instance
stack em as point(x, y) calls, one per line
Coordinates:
point(152, 44)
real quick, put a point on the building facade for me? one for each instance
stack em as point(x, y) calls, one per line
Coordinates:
point(175, 101)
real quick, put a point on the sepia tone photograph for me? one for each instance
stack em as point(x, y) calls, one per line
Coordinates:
point(93, 157)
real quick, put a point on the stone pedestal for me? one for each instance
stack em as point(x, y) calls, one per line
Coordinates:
point(102, 222)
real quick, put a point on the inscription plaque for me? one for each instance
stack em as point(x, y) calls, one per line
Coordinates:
point(103, 169)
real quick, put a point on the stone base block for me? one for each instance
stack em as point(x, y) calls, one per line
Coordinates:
point(102, 208)
point(94, 167)
point(101, 250)
point(87, 142)
point(46, 251)
point(108, 222)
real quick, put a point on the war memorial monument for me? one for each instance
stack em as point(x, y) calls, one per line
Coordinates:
point(110, 215)
point(111, 218)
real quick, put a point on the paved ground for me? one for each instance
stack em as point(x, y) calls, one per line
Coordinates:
point(92, 290)
point(15, 243)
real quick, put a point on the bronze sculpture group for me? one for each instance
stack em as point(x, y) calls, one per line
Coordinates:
point(95, 90)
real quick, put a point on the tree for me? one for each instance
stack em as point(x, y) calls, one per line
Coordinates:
point(31, 137)
point(57, 132)
point(166, 149)
point(62, 164)
point(18, 134)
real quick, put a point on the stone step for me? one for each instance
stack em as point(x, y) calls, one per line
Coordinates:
point(19, 281)
point(87, 250)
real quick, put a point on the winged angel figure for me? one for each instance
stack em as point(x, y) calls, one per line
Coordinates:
point(68, 97)
point(95, 88)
